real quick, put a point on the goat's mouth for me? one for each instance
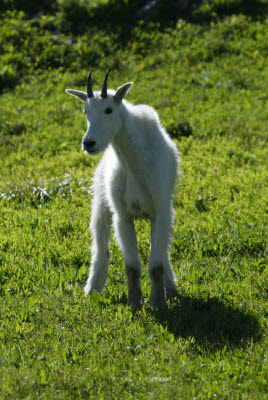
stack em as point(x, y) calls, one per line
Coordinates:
point(91, 152)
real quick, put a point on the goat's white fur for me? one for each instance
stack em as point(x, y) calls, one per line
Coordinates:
point(135, 179)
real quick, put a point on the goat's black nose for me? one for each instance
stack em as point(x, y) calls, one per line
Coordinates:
point(89, 144)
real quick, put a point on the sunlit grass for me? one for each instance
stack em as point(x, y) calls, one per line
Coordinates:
point(208, 82)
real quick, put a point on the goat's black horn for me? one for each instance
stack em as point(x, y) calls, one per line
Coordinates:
point(89, 88)
point(104, 87)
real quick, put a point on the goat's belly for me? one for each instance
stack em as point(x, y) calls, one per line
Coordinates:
point(136, 210)
point(138, 200)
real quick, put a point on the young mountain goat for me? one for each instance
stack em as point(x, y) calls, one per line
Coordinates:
point(134, 179)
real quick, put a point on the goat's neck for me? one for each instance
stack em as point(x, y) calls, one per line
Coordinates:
point(125, 147)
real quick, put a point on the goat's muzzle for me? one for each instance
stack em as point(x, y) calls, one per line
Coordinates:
point(88, 145)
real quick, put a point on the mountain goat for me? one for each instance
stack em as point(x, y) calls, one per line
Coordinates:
point(134, 179)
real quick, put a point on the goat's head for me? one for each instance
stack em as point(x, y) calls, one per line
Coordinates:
point(103, 114)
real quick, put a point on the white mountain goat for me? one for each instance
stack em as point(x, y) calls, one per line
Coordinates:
point(135, 179)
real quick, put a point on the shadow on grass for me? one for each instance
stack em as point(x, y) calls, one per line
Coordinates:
point(211, 323)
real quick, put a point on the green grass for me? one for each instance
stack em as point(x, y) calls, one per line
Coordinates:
point(205, 71)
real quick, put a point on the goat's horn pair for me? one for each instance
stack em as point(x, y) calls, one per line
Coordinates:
point(104, 87)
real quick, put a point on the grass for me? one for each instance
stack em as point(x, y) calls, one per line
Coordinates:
point(204, 69)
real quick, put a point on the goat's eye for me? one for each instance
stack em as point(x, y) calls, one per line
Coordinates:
point(108, 110)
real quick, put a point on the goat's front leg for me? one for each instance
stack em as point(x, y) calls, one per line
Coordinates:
point(160, 271)
point(126, 237)
point(100, 227)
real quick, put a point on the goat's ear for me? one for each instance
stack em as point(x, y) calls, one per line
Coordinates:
point(77, 93)
point(122, 91)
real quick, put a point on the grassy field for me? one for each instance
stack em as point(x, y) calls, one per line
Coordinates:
point(204, 69)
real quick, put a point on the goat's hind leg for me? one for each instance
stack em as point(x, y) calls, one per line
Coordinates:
point(100, 227)
point(162, 278)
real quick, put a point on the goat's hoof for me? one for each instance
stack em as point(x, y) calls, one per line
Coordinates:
point(135, 297)
point(172, 293)
point(135, 303)
point(157, 304)
point(88, 290)
point(135, 306)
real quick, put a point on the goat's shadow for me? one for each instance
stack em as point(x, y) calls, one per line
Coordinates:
point(211, 323)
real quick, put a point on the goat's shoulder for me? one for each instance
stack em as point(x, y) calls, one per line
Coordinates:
point(144, 119)
point(144, 112)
